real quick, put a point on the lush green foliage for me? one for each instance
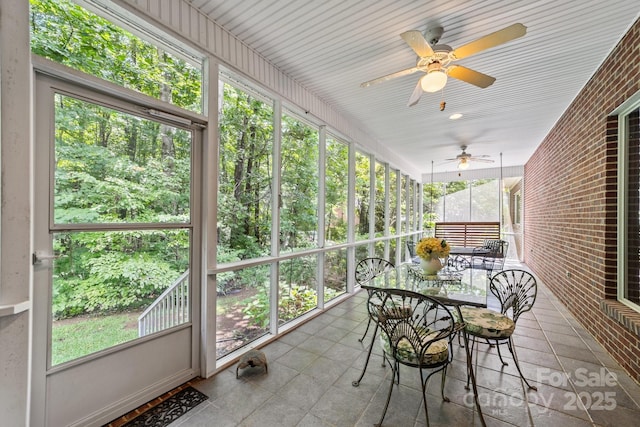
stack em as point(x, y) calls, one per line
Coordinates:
point(114, 167)
point(71, 35)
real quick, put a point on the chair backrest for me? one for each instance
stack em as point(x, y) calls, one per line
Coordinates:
point(456, 264)
point(516, 290)
point(497, 248)
point(410, 320)
point(411, 247)
point(369, 268)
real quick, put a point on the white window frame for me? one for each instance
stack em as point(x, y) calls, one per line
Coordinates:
point(623, 111)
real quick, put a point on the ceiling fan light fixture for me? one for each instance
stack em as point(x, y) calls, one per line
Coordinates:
point(464, 163)
point(433, 81)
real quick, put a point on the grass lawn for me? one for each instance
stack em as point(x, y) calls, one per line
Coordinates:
point(77, 337)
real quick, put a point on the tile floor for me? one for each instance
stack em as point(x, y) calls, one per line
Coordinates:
point(311, 370)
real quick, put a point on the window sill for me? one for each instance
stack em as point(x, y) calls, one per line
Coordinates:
point(622, 314)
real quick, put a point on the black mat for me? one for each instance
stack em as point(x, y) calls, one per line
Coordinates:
point(170, 410)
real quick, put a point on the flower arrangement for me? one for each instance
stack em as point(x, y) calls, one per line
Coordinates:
point(432, 246)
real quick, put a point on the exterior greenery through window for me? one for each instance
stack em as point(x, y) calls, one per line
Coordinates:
point(129, 175)
point(68, 34)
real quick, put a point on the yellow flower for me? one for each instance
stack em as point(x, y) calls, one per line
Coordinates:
point(430, 246)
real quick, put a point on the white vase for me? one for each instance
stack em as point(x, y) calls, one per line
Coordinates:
point(431, 266)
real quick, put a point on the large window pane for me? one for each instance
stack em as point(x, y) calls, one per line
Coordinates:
point(298, 287)
point(71, 35)
point(335, 273)
point(457, 202)
point(363, 196)
point(362, 252)
point(380, 200)
point(336, 191)
point(242, 312)
point(245, 176)
point(403, 204)
point(433, 204)
point(299, 186)
point(485, 200)
point(393, 201)
point(411, 206)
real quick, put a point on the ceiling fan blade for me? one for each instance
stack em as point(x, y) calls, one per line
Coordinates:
point(470, 76)
point(417, 42)
point(391, 76)
point(478, 159)
point(415, 96)
point(491, 40)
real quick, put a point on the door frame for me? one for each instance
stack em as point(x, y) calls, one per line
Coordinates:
point(144, 381)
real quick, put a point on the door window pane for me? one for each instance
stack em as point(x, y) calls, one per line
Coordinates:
point(113, 287)
point(114, 167)
point(122, 280)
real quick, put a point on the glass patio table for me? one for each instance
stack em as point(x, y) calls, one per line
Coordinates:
point(454, 289)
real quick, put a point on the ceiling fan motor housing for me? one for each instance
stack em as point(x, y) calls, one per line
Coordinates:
point(432, 35)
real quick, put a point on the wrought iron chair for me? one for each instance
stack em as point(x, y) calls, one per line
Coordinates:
point(416, 331)
point(490, 256)
point(368, 269)
point(516, 291)
point(457, 264)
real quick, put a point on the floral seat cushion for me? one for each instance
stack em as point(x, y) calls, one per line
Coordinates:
point(437, 352)
point(486, 323)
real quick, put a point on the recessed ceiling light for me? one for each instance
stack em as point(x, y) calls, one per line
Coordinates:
point(455, 116)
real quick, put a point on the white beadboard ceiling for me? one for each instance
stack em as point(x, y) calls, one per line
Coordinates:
point(330, 47)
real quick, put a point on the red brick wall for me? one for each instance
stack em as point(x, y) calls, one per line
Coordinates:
point(571, 202)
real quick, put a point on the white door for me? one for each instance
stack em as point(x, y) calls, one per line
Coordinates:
point(115, 225)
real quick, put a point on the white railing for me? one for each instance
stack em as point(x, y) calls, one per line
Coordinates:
point(168, 310)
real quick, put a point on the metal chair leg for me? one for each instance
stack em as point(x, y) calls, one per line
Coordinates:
point(386, 406)
point(365, 331)
point(500, 354)
point(356, 383)
point(512, 349)
point(442, 381)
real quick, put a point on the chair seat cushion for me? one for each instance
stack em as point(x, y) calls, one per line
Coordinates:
point(437, 352)
point(485, 323)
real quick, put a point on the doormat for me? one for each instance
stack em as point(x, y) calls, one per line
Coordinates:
point(170, 409)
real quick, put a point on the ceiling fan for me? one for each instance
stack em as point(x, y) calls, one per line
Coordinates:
point(436, 60)
point(464, 158)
